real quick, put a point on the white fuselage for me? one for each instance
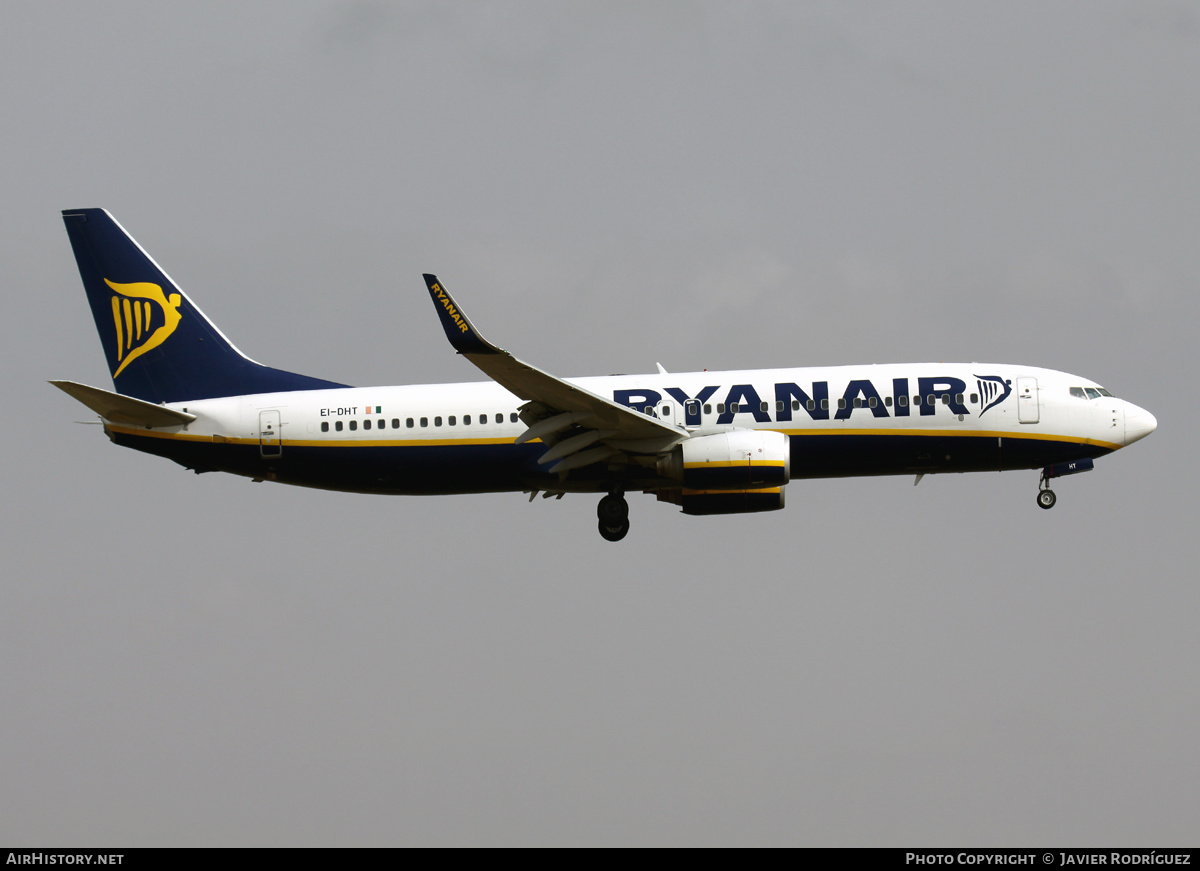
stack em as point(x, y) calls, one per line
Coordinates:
point(845, 420)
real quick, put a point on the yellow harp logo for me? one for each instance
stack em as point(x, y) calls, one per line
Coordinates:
point(134, 316)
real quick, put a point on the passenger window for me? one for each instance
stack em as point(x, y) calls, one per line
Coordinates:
point(466, 420)
point(1092, 392)
point(396, 423)
point(825, 405)
point(499, 418)
point(945, 399)
point(733, 407)
point(764, 406)
point(324, 426)
point(353, 425)
point(931, 399)
point(842, 402)
point(858, 402)
point(796, 404)
point(452, 420)
point(424, 422)
point(666, 411)
point(778, 405)
point(437, 421)
point(811, 404)
point(958, 398)
point(902, 401)
point(337, 425)
point(916, 400)
point(409, 422)
point(720, 408)
point(887, 400)
point(513, 417)
point(974, 398)
point(366, 424)
point(872, 402)
point(708, 408)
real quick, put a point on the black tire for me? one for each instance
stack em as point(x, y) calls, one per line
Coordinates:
point(613, 533)
point(613, 510)
point(1046, 499)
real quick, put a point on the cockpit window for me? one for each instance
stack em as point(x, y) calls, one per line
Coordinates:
point(1089, 392)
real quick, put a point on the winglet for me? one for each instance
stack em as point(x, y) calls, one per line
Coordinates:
point(561, 399)
point(460, 331)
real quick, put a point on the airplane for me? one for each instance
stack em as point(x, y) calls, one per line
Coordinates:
point(710, 442)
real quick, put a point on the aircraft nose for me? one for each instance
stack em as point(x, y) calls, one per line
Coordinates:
point(1139, 423)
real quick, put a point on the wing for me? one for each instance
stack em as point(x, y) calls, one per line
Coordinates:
point(599, 428)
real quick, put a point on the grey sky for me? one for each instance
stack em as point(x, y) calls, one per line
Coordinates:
point(202, 660)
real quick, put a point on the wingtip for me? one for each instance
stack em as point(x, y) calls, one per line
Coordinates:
point(461, 332)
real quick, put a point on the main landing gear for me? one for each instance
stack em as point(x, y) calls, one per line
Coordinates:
point(1045, 496)
point(613, 513)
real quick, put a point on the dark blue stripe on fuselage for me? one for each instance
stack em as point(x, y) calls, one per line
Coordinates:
point(835, 456)
point(485, 468)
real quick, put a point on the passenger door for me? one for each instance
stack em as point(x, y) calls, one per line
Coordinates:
point(1027, 400)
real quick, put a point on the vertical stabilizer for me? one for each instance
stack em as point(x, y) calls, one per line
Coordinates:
point(159, 346)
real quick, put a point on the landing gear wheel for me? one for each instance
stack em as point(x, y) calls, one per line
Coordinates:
point(613, 510)
point(1046, 499)
point(614, 533)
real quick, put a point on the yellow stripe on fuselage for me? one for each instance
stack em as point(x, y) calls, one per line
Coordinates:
point(445, 442)
point(686, 492)
point(726, 463)
point(308, 443)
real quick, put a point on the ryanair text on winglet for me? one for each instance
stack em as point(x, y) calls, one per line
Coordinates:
point(449, 307)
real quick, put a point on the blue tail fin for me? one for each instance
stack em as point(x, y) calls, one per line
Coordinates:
point(160, 347)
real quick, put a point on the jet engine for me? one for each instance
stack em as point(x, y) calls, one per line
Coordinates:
point(742, 459)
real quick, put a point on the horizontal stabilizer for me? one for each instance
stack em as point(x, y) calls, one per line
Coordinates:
point(123, 409)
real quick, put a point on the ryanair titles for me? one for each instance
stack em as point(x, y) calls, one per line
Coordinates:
point(919, 396)
point(440, 296)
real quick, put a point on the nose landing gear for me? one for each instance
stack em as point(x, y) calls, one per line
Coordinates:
point(613, 514)
point(1045, 496)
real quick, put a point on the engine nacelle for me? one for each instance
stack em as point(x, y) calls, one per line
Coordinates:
point(743, 459)
point(725, 501)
